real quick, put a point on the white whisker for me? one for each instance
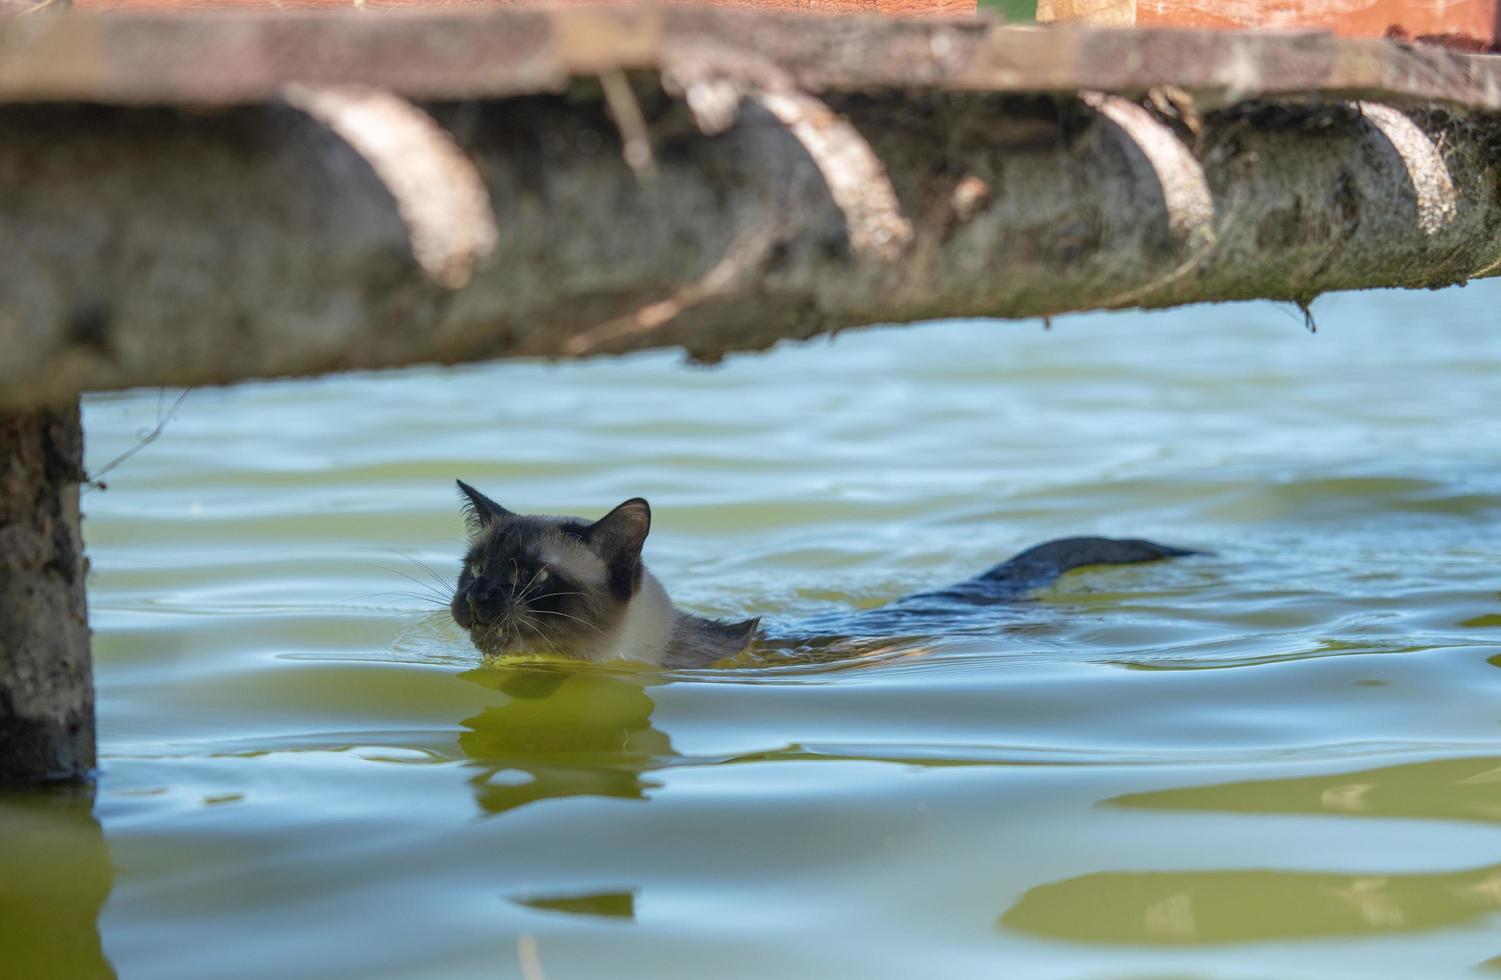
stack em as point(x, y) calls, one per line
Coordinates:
point(535, 628)
point(413, 579)
point(527, 590)
point(425, 567)
point(582, 622)
point(422, 597)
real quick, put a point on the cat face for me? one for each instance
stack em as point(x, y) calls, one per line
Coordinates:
point(535, 584)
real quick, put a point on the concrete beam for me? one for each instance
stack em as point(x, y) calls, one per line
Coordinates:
point(155, 247)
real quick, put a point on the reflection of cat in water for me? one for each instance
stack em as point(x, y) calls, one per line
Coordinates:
point(562, 733)
point(563, 585)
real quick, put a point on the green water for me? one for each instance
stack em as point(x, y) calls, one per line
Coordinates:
point(1283, 760)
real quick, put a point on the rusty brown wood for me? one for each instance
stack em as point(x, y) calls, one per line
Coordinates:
point(244, 57)
point(1469, 24)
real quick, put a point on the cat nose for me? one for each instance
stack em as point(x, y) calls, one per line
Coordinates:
point(482, 608)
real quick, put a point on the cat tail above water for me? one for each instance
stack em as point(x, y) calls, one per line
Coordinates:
point(1039, 565)
point(953, 609)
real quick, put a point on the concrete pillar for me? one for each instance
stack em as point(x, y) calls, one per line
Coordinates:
point(46, 679)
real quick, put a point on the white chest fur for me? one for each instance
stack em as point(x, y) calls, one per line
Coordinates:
point(644, 630)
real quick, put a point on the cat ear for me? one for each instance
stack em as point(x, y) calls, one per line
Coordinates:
point(479, 509)
point(621, 533)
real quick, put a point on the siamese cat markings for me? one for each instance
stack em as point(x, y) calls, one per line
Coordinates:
point(575, 588)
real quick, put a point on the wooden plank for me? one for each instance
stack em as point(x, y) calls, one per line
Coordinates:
point(887, 8)
point(242, 57)
point(1467, 24)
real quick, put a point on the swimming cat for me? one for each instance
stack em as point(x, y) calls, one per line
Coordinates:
point(564, 585)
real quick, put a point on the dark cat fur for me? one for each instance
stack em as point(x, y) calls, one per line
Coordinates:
point(563, 585)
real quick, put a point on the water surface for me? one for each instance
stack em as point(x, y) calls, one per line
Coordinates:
point(1281, 760)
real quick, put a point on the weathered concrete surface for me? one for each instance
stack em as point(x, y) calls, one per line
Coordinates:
point(149, 247)
point(46, 682)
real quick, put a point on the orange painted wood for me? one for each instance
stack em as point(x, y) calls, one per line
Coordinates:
point(889, 8)
point(1471, 24)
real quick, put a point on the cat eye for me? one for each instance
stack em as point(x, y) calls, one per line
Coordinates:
point(541, 575)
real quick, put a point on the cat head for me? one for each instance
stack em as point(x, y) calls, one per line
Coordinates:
point(540, 584)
